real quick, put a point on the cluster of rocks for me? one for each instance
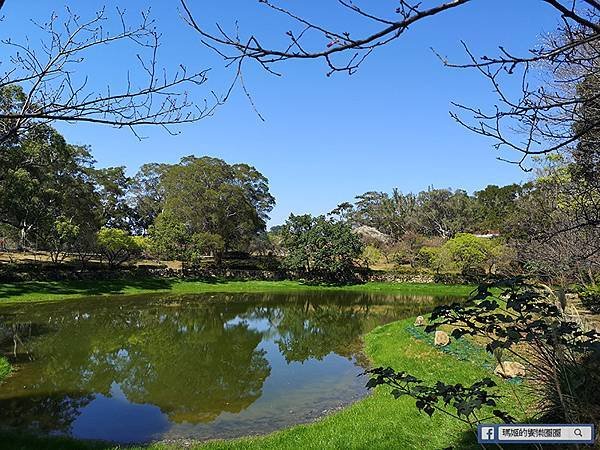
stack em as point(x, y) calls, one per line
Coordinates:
point(441, 338)
point(506, 369)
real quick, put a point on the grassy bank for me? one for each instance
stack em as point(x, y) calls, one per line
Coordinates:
point(58, 290)
point(5, 368)
point(378, 421)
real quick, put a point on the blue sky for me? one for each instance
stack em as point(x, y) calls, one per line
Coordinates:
point(325, 140)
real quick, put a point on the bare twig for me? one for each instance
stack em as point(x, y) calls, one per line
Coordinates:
point(45, 84)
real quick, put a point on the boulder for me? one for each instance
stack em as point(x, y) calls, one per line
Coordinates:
point(441, 339)
point(370, 235)
point(419, 321)
point(510, 369)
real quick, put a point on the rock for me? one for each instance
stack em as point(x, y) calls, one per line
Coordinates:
point(371, 235)
point(420, 321)
point(510, 369)
point(441, 338)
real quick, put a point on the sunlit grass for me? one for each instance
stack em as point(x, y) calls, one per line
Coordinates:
point(59, 290)
point(5, 368)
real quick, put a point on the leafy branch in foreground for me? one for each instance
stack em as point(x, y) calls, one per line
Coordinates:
point(529, 322)
point(466, 401)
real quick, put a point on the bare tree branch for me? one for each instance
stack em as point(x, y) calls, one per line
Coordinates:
point(47, 85)
point(536, 120)
point(339, 42)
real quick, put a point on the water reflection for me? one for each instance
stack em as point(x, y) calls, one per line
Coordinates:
point(193, 366)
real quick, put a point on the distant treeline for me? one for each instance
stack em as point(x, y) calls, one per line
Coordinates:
point(53, 198)
point(543, 227)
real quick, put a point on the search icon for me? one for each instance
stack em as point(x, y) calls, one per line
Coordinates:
point(577, 432)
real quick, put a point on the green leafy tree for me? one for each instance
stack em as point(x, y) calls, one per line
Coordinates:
point(147, 195)
point(117, 246)
point(112, 185)
point(170, 238)
point(370, 255)
point(392, 214)
point(203, 244)
point(468, 253)
point(320, 247)
point(442, 212)
point(62, 238)
point(45, 180)
point(494, 206)
point(428, 257)
point(210, 196)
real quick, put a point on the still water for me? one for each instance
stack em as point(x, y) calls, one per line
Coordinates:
point(160, 367)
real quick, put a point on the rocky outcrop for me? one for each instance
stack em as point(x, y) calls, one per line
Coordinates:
point(370, 235)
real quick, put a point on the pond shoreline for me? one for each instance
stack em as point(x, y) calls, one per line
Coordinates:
point(390, 344)
point(374, 421)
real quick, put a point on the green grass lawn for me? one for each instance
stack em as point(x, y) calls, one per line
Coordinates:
point(376, 422)
point(59, 290)
point(5, 368)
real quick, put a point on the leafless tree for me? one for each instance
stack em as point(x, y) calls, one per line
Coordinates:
point(556, 225)
point(47, 82)
point(542, 113)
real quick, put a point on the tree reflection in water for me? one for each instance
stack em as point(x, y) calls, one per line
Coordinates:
point(194, 357)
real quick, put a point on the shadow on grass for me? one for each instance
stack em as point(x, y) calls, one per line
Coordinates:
point(39, 289)
point(212, 280)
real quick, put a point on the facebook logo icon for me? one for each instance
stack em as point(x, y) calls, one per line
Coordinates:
point(487, 434)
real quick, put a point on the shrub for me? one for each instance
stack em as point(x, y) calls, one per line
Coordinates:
point(143, 243)
point(117, 246)
point(5, 368)
point(371, 255)
point(427, 257)
point(407, 249)
point(203, 244)
point(469, 254)
point(169, 238)
point(591, 299)
point(61, 238)
point(320, 247)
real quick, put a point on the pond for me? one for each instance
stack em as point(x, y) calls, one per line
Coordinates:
point(160, 367)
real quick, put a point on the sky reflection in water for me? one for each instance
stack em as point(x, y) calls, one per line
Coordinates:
point(206, 366)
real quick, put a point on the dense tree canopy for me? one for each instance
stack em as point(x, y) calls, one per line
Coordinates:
point(45, 180)
point(53, 198)
point(147, 195)
point(320, 247)
point(210, 196)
